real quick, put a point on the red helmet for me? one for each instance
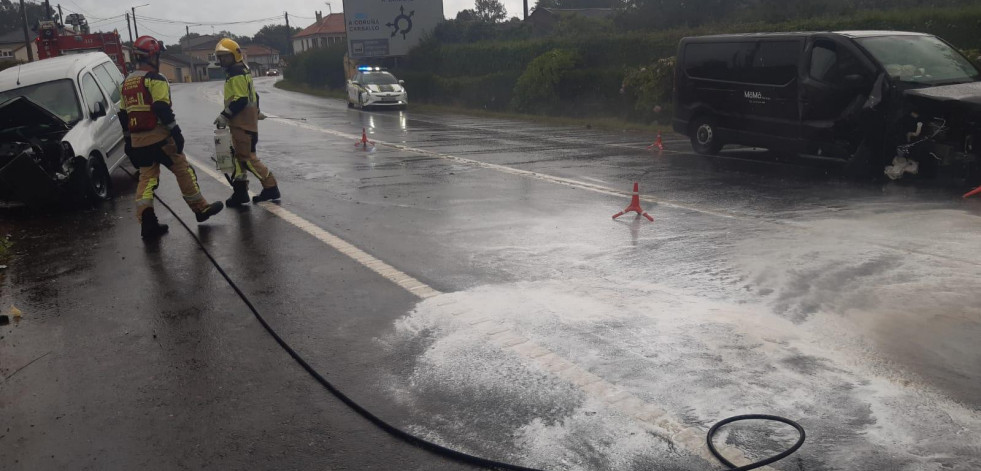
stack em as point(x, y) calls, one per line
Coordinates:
point(147, 46)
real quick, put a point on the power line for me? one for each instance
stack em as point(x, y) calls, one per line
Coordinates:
point(206, 23)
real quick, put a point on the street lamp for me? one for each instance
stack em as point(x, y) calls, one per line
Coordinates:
point(133, 9)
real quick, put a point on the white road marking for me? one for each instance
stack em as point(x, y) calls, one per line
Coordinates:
point(387, 271)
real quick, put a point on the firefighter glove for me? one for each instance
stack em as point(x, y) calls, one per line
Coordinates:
point(175, 133)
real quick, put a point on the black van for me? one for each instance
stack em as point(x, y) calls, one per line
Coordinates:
point(868, 98)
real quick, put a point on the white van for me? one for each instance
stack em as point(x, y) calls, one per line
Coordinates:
point(59, 133)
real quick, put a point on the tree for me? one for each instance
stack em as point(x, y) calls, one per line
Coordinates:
point(490, 11)
point(241, 40)
point(274, 36)
point(11, 18)
point(466, 15)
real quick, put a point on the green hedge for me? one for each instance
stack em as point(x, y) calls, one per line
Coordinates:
point(322, 67)
point(488, 75)
point(960, 26)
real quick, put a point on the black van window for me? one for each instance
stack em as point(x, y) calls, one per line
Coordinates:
point(776, 62)
point(720, 61)
point(823, 59)
point(763, 62)
point(831, 64)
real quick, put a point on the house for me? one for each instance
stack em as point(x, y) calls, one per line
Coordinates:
point(260, 58)
point(12, 46)
point(327, 31)
point(543, 20)
point(182, 68)
point(201, 48)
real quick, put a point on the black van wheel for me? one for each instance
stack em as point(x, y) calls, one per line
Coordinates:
point(704, 138)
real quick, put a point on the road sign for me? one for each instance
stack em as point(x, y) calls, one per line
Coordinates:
point(386, 28)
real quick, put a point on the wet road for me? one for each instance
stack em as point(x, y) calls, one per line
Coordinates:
point(463, 280)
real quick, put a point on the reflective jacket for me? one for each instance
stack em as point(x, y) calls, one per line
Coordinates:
point(144, 107)
point(241, 100)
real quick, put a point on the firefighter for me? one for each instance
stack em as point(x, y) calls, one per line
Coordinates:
point(153, 138)
point(241, 115)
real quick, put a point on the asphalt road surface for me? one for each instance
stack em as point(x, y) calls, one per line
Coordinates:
point(462, 279)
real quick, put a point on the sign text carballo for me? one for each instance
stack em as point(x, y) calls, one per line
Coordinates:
point(384, 28)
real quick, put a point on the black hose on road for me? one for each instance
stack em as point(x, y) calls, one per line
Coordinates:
point(759, 464)
point(419, 442)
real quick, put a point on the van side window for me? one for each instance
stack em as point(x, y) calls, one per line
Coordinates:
point(759, 62)
point(776, 62)
point(92, 94)
point(831, 64)
point(823, 59)
point(720, 61)
point(106, 80)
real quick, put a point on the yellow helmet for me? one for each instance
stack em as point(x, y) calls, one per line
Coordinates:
point(228, 46)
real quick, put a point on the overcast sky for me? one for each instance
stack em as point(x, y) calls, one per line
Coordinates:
point(100, 14)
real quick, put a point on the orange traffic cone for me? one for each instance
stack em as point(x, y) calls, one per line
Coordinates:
point(635, 205)
point(976, 191)
point(657, 143)
point(364, 142)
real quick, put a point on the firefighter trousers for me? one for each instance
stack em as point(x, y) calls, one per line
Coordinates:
point(246, 161)
point(149, 159)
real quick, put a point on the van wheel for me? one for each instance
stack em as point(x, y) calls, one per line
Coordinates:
point(704, 136)
point(349, 104)
point(93, 178)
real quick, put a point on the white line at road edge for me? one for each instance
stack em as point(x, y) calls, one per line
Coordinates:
point(390, 273)
point(689, 438)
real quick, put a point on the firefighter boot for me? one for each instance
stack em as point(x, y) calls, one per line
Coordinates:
point(271, 193)
point(210, 210)
point(240, 194)
point(150, 227)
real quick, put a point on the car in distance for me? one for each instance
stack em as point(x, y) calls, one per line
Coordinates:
point(272, 73)
point(375, 87)
point(59, 133)
point(867, 98)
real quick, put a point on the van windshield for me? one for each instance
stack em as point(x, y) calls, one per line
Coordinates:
point(920, 59)
point(57, 96)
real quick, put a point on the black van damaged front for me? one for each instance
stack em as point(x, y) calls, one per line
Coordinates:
point(883, 102)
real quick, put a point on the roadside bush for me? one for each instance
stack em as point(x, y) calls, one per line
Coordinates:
point(538, 87)
point(322, 67)
point(650, 88)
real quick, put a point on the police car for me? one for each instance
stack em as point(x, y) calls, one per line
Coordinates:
point(373, 86)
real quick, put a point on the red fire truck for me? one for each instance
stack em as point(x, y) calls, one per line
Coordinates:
point(52, 43)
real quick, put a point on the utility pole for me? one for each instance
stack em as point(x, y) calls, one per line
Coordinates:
point(47, 10)
point(289, 34)
point(137, 30)
point(27, 35)
point(61, 16)
point(526, 9)
point(128, 28)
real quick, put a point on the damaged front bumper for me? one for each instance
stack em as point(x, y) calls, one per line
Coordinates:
point(35, 164)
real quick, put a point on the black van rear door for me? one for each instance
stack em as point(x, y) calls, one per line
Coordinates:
point(768, 93)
